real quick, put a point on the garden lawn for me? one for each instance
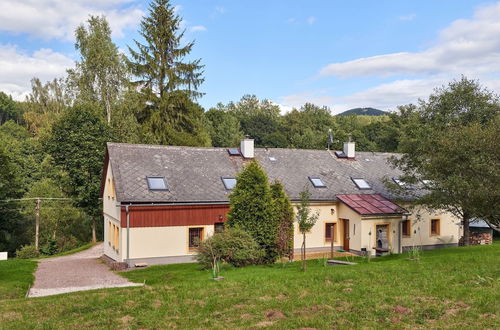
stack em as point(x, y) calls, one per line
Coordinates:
point(453, 287)
point(16, 275)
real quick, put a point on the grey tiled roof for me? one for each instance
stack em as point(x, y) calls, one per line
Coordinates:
point(194, 173)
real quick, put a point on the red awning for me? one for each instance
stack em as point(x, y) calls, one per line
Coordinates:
point(373, 204)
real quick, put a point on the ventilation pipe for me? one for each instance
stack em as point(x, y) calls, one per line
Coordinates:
point(247, 148)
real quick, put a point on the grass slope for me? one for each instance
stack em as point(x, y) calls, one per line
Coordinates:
point(16, 275)
point(454, 287)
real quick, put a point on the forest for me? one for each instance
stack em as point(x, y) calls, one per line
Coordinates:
point(52, 143)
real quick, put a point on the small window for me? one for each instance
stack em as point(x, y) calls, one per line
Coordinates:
point(195, 237)
point(233, 152)
point(219, 227)
point(273, 159)
point(435, 227)
point(229, 183)
point(361, 183)
point(157, 183)
point(317, 182)
point(329, 232)
point(406, 229)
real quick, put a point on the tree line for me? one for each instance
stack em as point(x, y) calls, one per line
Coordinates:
point(52, 144)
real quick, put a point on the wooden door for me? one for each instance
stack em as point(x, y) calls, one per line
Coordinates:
point(346, 234)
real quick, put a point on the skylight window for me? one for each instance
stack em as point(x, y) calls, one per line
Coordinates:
point(233, 152)
point(399, 182)
point(229, 182)
point(157, 183)
point(317, 182)
point(273, 159)
point(361, 183)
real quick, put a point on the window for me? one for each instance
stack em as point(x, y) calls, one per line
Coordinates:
point(229, 183)
point(329, 231)
point(219, 227)
point(233, 152)
point(273, 159)
point(195, 237)
point(361, 183)
point(435, 227)
point(399, 182)
point(157, 183)
point(406, 228)
point(317, 182)
point(110, 234)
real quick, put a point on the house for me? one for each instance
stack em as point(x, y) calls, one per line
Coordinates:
point(160, 201)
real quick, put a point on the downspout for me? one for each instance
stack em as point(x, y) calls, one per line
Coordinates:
point(400, 223)
point(128, 234)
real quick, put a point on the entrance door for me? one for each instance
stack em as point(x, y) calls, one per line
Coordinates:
point(346, 234)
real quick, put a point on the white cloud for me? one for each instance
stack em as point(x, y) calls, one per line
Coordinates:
point(409, 17)
point(199, 28)
point(17, 68)
point(467, 46)
point(311, 20)
point(57, 19)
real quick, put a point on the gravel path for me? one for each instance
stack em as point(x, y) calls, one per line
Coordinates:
point(76, 272)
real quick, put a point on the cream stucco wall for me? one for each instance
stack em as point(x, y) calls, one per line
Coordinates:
point(420, 219)
point(153, 242)
point(355, 229)
point(111, 214)
point(316, 237)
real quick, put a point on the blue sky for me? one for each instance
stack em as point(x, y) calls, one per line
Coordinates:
point(341, 54)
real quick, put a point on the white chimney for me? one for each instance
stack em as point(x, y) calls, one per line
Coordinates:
point(246, 148)
point(349, 149)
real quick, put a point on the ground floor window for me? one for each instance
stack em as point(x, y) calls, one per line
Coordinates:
point(435, 226)
point(195, 237)
point(329, 231)
point(219, 227)
point(406, 228)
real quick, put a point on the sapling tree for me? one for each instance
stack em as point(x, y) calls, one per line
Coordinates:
point(306, 220)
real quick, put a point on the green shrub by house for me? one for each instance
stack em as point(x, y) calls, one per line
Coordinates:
point(284, 213)
point(252, 209)
point(234, 246)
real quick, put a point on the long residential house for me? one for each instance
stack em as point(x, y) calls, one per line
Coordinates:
point(159, 202)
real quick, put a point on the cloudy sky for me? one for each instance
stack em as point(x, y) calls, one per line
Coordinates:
point(342, 54)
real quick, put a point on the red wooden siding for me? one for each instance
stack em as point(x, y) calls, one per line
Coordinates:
point(176, 215)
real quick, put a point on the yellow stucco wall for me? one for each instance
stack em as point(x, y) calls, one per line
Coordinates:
point(316, 237)
point(355, 229)
point(111, 214)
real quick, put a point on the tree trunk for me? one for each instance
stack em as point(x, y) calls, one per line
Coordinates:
point(94, 238)
point(466, 234)
point(304, 264)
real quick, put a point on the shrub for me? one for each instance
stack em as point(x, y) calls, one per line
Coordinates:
point(27, 252)
point(233, 245)
point(50, 248)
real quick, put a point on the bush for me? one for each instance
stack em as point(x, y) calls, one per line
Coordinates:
point(234, 246)
point(50, 248)
point(27, 252)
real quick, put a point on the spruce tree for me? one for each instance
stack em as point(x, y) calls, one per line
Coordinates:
point(284, 214)
point(252, 209)
point(167, 82)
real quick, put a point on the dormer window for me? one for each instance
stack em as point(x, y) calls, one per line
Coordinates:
point(317, 182)
point(361, 183)
point(229, 182)
point(157, 183)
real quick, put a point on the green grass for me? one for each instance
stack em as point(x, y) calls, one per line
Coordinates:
point(454, 287)
point(16, 275)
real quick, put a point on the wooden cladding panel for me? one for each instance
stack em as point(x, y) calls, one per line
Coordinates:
point(176, 215)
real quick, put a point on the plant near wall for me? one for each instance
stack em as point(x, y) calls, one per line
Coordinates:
point(284, 214)
point(252, 209)
point(306, 221)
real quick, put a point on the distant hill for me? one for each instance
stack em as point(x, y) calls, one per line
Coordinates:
point(363, 111)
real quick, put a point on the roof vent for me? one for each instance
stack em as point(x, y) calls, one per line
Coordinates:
point(247, 148)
